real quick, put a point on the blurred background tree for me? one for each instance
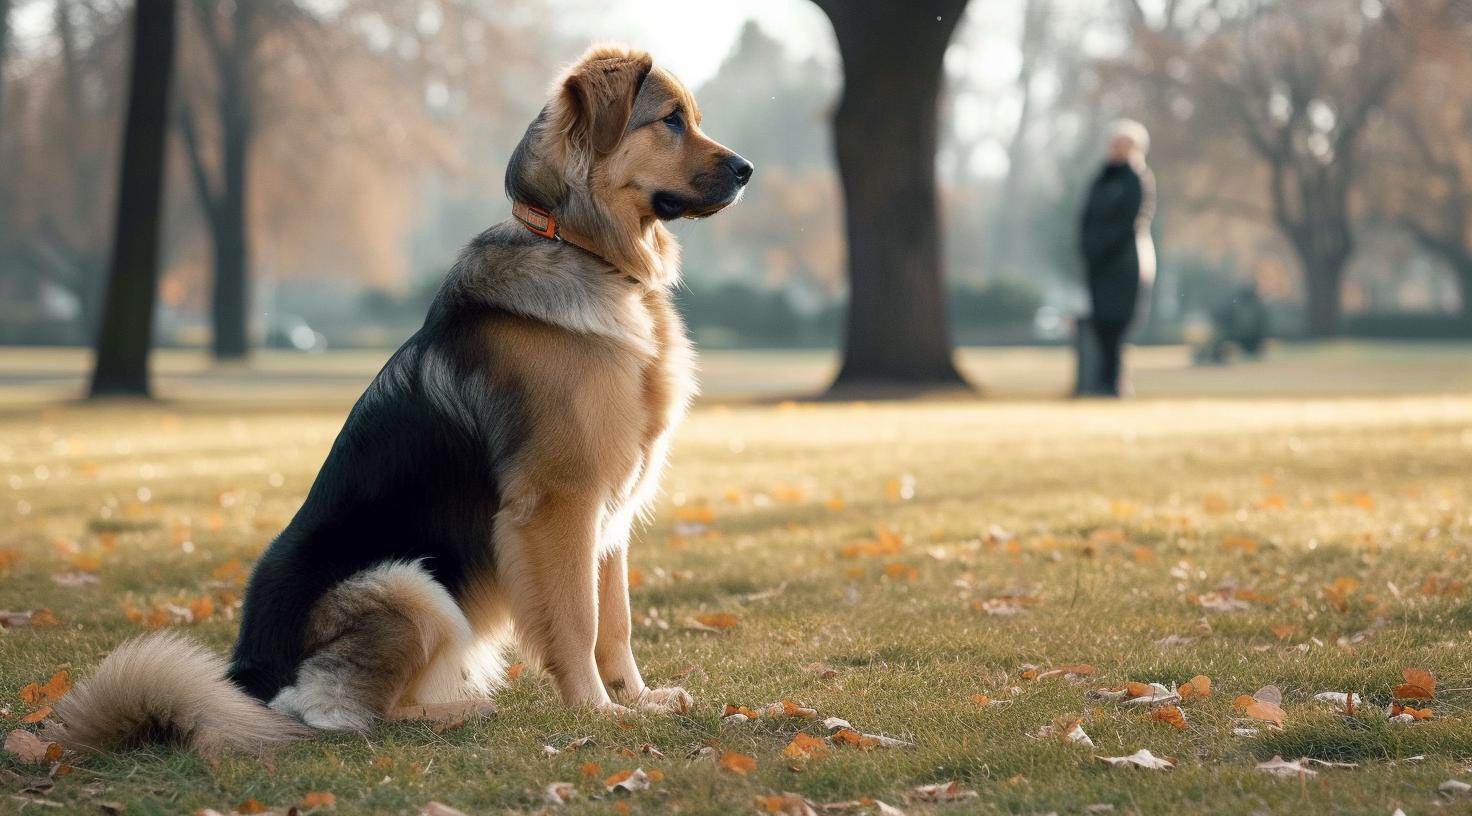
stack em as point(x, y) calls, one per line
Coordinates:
point(337, 153)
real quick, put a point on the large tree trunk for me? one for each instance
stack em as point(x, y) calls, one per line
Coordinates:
point(1324, 279)
point(230, 306)
point(127, 317)
point(231, 299)
point(885, 135)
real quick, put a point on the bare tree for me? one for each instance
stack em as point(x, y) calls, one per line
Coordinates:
point(233, 34)
point(1427, 188)
point(885, 134)
point(127, 317)
point(1304, 79)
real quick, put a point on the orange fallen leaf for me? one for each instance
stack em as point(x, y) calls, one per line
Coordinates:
point(718, 620)
point(250, 806)
point(1169, 714)
point(514, 671)
point(31, 749)
point(848, 736)
point(804, 746)
point(42, 618)
point(740, 709)
point(1397, 709)
point(981, 699)
point(1419, 685)
point(591, 769)
point(736, 763)
point(38, 715)
point(201, 608)
point(1136, 689)
point(319, 799)
point(1198, 686)
point(1267, 712)
point(1284, 631)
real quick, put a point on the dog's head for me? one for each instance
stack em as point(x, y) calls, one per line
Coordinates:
point(617, 150)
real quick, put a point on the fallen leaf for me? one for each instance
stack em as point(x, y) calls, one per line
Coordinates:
point(1198, 686)
point(1277, 766)
point(736, 763)
point(943, 792)
point(250, 806)
point(514, 671)
point(440, 809)
point(319, 799)
point(36, 716)
point(805, 746)
point(627, 781)
point(1171, 715)
point(1419, 685)
point(30, 749)
point(559, 793)
point(788, 804)
point(1455, 787)
point(1142, 759)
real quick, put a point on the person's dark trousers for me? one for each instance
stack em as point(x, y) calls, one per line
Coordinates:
point(1111, 341)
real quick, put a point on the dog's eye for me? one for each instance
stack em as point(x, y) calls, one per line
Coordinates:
point(674, 121)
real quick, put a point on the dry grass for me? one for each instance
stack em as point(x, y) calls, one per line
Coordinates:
point(1111, 515)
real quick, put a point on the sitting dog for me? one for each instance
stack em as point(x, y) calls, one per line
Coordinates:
point(485, 485)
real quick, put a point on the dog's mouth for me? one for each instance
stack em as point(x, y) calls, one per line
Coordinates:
point(668, 206)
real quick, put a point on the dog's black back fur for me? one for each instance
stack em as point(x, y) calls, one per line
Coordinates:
point(410, 476)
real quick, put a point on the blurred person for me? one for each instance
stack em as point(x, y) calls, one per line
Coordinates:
point(1117, 249)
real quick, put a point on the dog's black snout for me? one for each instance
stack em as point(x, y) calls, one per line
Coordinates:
point(740, 168)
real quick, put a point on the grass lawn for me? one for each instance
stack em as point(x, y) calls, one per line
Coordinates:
point(1316, 545)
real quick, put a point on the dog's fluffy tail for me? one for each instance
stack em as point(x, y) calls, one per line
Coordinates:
point(164, 688)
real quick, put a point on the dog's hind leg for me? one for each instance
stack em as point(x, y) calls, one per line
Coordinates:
point(384, 637)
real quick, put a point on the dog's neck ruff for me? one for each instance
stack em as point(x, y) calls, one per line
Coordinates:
point(542, 222)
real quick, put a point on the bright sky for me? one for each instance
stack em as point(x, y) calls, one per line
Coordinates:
point(692, 38)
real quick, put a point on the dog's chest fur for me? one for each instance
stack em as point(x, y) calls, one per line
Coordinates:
point(604, 370)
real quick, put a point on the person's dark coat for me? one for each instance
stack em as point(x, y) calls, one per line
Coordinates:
point(1116, 223)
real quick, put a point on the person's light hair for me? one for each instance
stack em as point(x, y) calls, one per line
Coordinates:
point(1132, 130)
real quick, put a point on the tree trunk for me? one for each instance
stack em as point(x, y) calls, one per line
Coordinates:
point(1324, 282)
point(127, 317)
point(885, 135)
point(230, 306)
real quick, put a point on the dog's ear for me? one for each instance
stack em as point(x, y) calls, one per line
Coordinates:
point(598, 97)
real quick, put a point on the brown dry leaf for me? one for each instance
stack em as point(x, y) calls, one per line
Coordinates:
point(1135, 689)
point(36, 716)
point(1198, 686)
point(1419, 685)
point(201, 608)
point(319, 799)
point(43, 618)
point(591, 769)
point(1398, 710)
point(737, 763)
point(49, 692)
point(943, 792)
point(514, 671)
point(1171, 715)
point(86, 562)
point(30, 749)
point(559, 793)
point(1267, 712)
point(250, 806)
point(788, 804)
point(732, 710)
point(1284, 631)
point(805, 746)
point(718, 620)
point(628, 781)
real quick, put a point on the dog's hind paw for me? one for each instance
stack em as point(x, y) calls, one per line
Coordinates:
point(672, 700)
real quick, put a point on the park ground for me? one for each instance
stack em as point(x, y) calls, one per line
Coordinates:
point(917, 569)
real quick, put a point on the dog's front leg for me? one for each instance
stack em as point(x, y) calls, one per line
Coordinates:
point(546, 550)
point(615, 653)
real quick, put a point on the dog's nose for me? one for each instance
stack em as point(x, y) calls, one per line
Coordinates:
point(740, 168)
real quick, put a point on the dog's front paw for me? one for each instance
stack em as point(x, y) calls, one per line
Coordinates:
point(612, 709)
point(672, 700)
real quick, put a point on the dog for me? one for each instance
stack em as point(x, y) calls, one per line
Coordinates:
point(485, 486)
